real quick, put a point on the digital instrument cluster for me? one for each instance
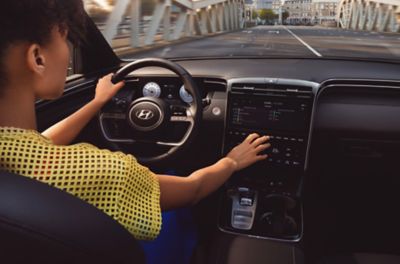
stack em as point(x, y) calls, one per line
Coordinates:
point(153, 89)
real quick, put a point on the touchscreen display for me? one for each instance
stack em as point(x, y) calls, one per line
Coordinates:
point(271, 114)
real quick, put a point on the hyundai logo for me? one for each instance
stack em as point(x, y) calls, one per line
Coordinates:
point(145, 114)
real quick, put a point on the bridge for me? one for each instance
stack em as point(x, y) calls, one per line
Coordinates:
point(370, 15)
point(191, 17)
point(367, 28)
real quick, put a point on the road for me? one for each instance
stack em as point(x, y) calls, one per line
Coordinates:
point(297, 41)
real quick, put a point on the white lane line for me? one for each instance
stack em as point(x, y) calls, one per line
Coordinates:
point(303, 42)
point(165, 51)
point(394, 49)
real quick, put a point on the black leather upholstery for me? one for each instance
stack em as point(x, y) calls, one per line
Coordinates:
point(41, 224)
point(362, 258)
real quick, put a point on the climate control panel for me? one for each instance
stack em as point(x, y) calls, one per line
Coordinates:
point(286, 150)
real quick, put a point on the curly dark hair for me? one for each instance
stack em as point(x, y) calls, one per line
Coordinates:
point(33, 20)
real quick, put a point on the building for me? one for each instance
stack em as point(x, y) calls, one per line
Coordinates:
point(276, 6)
point(300, 12)
point(324, 11)
point(249, 9)
point(263, 4)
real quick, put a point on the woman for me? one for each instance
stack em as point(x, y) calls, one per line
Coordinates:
point(34, 59)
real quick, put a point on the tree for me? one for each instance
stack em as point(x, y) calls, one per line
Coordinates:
point(285, 15)
point(254, 15)
point(267, 15)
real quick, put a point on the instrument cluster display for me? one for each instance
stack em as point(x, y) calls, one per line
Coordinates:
point(166, 91)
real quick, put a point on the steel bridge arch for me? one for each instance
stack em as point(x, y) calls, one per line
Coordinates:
point(196, 17)
point(371, 15)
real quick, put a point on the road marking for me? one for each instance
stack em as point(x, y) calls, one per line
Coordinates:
point(394, 49)
point(165, 51)
point(303, 42)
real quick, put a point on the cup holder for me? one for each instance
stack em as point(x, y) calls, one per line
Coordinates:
point(277, 220)
point(278, 226)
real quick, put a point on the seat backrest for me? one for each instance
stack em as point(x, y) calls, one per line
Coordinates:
point(42, 224)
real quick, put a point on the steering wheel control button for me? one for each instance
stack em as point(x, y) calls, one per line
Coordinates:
point(145, 116)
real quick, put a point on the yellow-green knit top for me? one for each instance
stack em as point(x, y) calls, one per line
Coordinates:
point(112, 181)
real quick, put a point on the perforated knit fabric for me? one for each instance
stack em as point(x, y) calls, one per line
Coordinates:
point(111, 181)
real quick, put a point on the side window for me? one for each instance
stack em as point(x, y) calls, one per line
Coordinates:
point(74, 66)
point(71, 70)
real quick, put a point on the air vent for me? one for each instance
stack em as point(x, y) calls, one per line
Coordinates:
point(268, 88)
point(295, 88)
point(215, 84)
point(242, 87)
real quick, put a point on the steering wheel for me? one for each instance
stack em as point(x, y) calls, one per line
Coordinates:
point(149, 114)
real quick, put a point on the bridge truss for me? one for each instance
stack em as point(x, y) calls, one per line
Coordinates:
point(371, 15)
point(201, 17)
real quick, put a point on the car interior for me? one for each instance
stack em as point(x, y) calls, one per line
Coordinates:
point(327, 193)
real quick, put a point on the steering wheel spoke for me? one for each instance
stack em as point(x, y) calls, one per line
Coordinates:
point(187, 117)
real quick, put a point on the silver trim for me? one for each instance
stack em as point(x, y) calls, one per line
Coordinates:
point(237, 207)
point(144, 114)
point(187, 118)
point(103, 130)
point(276, 81)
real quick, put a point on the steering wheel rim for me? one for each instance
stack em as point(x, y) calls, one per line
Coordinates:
point(195, 108)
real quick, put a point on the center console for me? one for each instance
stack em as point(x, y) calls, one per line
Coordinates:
point(263, 200)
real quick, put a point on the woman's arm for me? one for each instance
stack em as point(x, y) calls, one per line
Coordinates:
point(184, 191)
point(67, 129)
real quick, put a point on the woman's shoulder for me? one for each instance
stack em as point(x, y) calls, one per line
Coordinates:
point(32, 139)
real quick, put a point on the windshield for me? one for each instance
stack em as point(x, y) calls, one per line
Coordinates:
point(250, 28)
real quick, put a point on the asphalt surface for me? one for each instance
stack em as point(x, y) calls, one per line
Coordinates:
point(293, 41)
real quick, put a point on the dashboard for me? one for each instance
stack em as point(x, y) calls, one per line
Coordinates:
point(289, 107)
point(333, 126)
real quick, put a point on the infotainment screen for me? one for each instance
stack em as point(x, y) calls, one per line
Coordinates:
point(281, 114)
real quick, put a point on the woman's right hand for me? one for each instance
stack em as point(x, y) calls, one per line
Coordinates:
point(247, 152)
point(105, 89)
